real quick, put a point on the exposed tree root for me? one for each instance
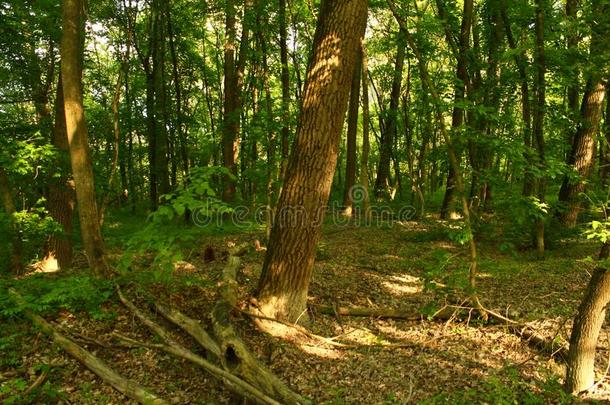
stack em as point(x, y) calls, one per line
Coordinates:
point(127, 387)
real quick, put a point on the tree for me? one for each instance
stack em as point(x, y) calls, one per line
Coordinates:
point(457, 118)
point(9, 206)
point(352, 129)
point(288, 266)
point(58, 249)
point(582, 155)
point(388, 134)
point(580, 375)
point(76, 129)
point(234, 65)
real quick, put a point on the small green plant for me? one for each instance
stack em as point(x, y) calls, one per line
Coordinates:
point(162, 236)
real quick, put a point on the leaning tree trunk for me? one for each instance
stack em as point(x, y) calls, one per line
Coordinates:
point(284, 282)
point(580, 374)
point(76, 128)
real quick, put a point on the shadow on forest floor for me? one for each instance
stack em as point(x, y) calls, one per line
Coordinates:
point(391, 267)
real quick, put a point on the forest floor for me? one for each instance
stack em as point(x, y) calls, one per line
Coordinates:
point(400, 265)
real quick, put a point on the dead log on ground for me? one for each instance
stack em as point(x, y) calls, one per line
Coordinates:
point(125, 386)
point(171, 346)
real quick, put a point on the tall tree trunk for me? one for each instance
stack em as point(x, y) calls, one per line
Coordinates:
point(182, 136)
point(538, 127)
point(580, 375)
point(285, 79)
point(457, 118)
point(158, 74)
point(389, 132)
point(521, 62)
point(366, 146)
point(352, 131)
point(572, 37)
point(582, 156)
point(284, 282)
point(9, 206)
point(233, 78)
point(605, 161)
point(58, 248)
point(76, 128)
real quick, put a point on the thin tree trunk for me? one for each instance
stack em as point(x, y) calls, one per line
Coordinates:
point(457, 118)
point(366, 146)
point(352, 131)
point(233, 79)
point(521, 62)
point(76, 128)
point(285, 79)
point(284, 282)
point(389, 132)
point(538, 127)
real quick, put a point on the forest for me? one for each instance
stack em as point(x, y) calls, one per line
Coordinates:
point(304, 201)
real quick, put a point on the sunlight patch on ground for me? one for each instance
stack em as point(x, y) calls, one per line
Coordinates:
point(321, 351)
point(403, 284)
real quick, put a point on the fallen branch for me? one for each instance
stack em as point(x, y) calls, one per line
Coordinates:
point(171, 346)
point(524, 330)
point(127, 387)
point(235, 356)
point(384, 313)
point(190, 326)
point(37, 383)
point(328, 341)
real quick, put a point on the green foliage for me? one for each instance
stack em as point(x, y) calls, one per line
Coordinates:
point(508, 387)
point(163, 237)
point(43, 294)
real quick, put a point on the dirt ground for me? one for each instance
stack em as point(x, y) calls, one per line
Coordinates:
point(404, 266)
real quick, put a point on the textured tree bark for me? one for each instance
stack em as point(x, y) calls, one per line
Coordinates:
point(233, 81)
point(284, 282)
point(591, 314)
point(457, 118)
point(388, 132)
point(582, 156)
point(58, 248)
point(76, 128)
point(352, 131)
